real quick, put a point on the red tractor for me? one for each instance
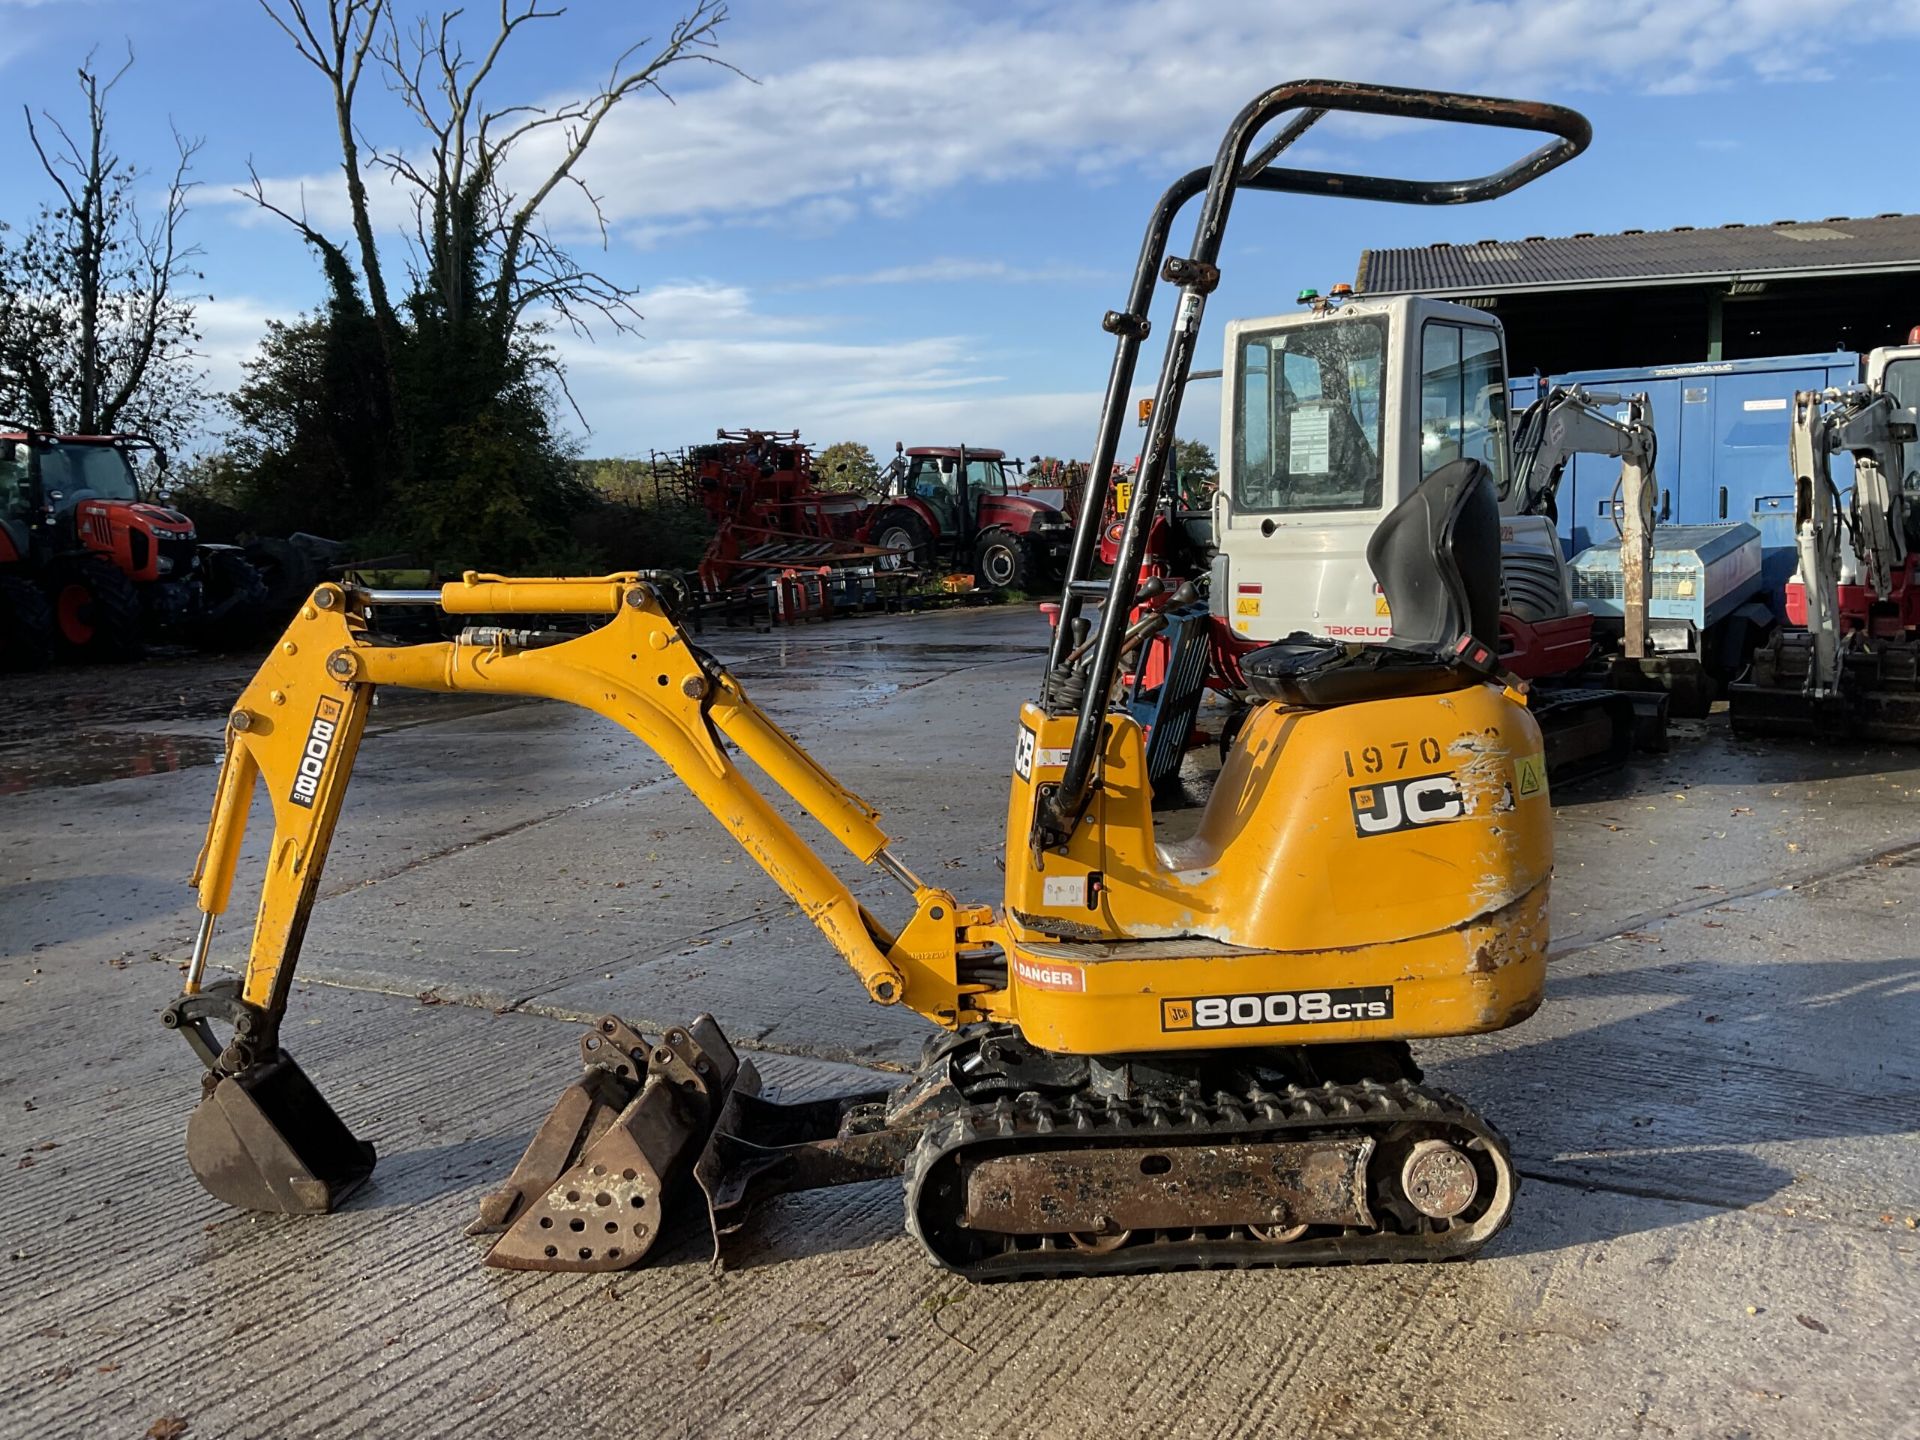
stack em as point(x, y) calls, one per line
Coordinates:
point(950, 505)
point(91, 567)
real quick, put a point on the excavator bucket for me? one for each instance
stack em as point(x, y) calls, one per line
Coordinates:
point(266, 1139)
point(592, 1190)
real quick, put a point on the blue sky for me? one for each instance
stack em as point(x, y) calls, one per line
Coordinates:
point(909, 227)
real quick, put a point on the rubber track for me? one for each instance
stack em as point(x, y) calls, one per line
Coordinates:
point(1036, 1124)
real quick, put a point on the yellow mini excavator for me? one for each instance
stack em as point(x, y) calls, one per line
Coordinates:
point(1151, 1054)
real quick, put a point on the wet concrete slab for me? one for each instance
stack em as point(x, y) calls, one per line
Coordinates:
point(1714, 1113)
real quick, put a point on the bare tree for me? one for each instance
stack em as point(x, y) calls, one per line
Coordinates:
point(427, 378)
point(482, 253)
point(95, 334)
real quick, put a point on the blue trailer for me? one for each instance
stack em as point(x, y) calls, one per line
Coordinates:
point(1722, 427)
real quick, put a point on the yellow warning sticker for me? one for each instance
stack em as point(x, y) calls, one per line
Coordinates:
point(1246, 605)
point(1380, 605)
point(1530, 775)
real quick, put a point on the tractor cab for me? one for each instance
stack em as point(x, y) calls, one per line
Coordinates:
point(954, 484)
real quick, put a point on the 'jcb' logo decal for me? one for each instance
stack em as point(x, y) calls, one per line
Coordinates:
point(313, 758)
point(1404, 804)
point(1023, 753)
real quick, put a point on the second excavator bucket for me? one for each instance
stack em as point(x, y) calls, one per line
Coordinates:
point(592, 1190)
point(266, 1139)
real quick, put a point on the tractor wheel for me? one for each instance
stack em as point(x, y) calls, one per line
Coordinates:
point(899, 529)
point(96, 610)
point(1003, 560)
point(233, 600)
point(26, 625)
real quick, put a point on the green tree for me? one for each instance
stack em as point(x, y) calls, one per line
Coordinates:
point(95, 334)
point(1194, 461)
point(848, 465)
point(424, 399)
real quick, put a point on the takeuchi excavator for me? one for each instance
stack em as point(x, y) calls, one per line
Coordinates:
point(1338, 413)
point(1853, 669)
point(1150, 1053)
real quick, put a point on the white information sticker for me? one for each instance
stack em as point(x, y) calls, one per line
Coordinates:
point(1308, 442)
point(1778, 402)
point(1064, 890)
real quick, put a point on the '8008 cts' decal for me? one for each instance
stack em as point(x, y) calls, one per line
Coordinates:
point(313, 757)
point(1278, 1007)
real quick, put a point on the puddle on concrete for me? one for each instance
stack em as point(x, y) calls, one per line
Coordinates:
point(92, 757)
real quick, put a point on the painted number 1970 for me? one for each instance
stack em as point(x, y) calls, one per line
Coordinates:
point(1393, 757)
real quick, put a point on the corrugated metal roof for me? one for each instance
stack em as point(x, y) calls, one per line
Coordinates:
point(1646, 257)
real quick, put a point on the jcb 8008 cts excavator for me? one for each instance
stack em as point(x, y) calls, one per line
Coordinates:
point(1152, 1054)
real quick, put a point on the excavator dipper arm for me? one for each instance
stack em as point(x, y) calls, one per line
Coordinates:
point(263, 1137)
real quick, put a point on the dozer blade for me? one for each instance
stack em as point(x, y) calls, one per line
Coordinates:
point(761, 1148)
point(592, 1190)
point(267, 1140)
point(1877, 696)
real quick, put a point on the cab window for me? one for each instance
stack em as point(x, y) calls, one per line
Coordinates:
point(1463, 398)
point(985, 477)
point(15, 498)
point(1902, 381)
point(1306, 426)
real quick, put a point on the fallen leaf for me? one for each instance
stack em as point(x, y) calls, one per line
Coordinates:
point(809, 1327)
point(26, 1162)
point(427, 997)
point(702, 1360)
point(167, 1427)
point(1813, 1324)
point(106, 1369)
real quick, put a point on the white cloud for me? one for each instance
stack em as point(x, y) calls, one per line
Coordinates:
point(909, 101)
point(951, 270)
point(711, 358)
point(898, 114)
point(230, 331)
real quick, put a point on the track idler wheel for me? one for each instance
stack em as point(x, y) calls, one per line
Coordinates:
point(592, 1190)
point(262, 1136)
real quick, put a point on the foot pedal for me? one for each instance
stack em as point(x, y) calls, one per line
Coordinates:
point(591, 1191)
point(266, 1139)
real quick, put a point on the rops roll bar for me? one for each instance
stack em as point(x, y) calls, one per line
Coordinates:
point(1198, 275)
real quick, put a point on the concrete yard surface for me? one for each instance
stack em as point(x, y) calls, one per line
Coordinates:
point(1714, 1113)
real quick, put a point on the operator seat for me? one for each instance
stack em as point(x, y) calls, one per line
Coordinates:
point(1437, 558)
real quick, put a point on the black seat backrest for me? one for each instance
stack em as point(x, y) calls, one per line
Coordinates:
point(1437, 558)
